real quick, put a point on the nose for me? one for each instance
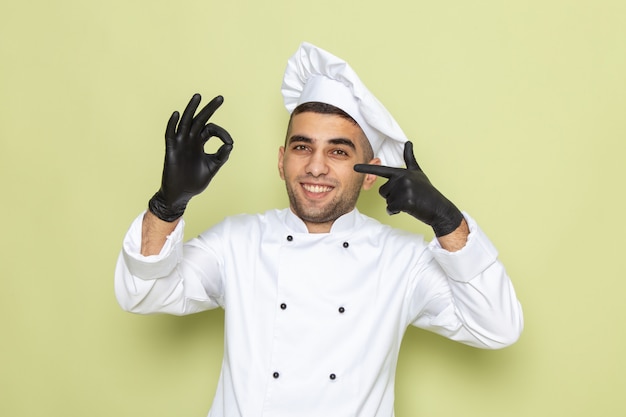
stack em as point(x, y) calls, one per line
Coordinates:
point(317, 164)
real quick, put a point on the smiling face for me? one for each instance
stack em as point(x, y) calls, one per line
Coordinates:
point(317, 163)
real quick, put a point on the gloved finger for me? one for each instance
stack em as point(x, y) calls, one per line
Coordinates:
point(394, 203)
point(205, 114)
point(391, 210)
point(387, 189)
point(170, 130)
point(213, 130)
point(187, 119)
point(379, 170)
point(409, 157)
point(223, 153)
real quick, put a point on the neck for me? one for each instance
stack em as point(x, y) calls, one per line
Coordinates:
point(319, 227)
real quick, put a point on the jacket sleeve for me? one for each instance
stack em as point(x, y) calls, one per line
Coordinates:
point(470, 296)
point(181, 279)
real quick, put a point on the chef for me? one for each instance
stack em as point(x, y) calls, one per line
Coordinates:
point(317, 296)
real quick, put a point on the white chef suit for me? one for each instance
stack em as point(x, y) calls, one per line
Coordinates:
point(314, 322)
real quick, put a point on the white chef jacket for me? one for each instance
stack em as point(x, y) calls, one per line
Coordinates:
point(314, 322)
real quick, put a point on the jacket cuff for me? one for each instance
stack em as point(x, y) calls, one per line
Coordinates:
point(153, 266)
point(475, 257)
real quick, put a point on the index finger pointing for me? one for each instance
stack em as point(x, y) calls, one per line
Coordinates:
point(379, 170)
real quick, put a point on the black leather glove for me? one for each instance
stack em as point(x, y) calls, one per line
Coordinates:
point(409, 190)
point(187, 169)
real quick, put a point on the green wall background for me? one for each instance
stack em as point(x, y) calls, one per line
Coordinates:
point(518, 113)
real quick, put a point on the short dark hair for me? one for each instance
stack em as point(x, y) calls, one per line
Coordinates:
point(322, 108)
point(325, 108)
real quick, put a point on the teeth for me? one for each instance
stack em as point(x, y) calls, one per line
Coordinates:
point(316, 188)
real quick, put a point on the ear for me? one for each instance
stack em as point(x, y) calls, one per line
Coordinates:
point(370, 179)
point(281, 155)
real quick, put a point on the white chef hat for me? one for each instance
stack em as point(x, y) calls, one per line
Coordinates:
point(313, 74)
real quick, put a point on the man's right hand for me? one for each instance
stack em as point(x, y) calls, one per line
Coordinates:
point(187, 169)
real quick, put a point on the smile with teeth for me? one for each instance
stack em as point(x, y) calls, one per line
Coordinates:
point(317, 188)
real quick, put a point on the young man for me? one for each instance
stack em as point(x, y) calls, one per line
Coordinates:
point(318, 296)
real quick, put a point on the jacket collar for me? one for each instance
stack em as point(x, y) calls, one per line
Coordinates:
point(347, 222)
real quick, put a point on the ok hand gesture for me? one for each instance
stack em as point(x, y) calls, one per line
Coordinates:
point(187, 169)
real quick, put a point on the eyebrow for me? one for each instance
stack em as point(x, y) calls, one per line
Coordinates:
point(334, 141)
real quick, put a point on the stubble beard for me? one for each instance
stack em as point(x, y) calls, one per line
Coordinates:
point(328, 213)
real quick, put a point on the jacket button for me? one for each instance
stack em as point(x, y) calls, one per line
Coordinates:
point(342, 310)
point(289, 238)
point(275, 375)
point(346, 244)
point(332, 376)
point(283, 306)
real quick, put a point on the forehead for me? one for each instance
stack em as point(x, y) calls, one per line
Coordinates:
point(324, 127)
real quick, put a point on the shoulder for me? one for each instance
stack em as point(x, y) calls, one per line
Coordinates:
point(242, 224)
point(386, 236)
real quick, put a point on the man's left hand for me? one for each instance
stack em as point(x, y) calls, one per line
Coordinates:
point(409, 190)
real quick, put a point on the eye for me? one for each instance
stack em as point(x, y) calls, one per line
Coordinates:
point(340, 152)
